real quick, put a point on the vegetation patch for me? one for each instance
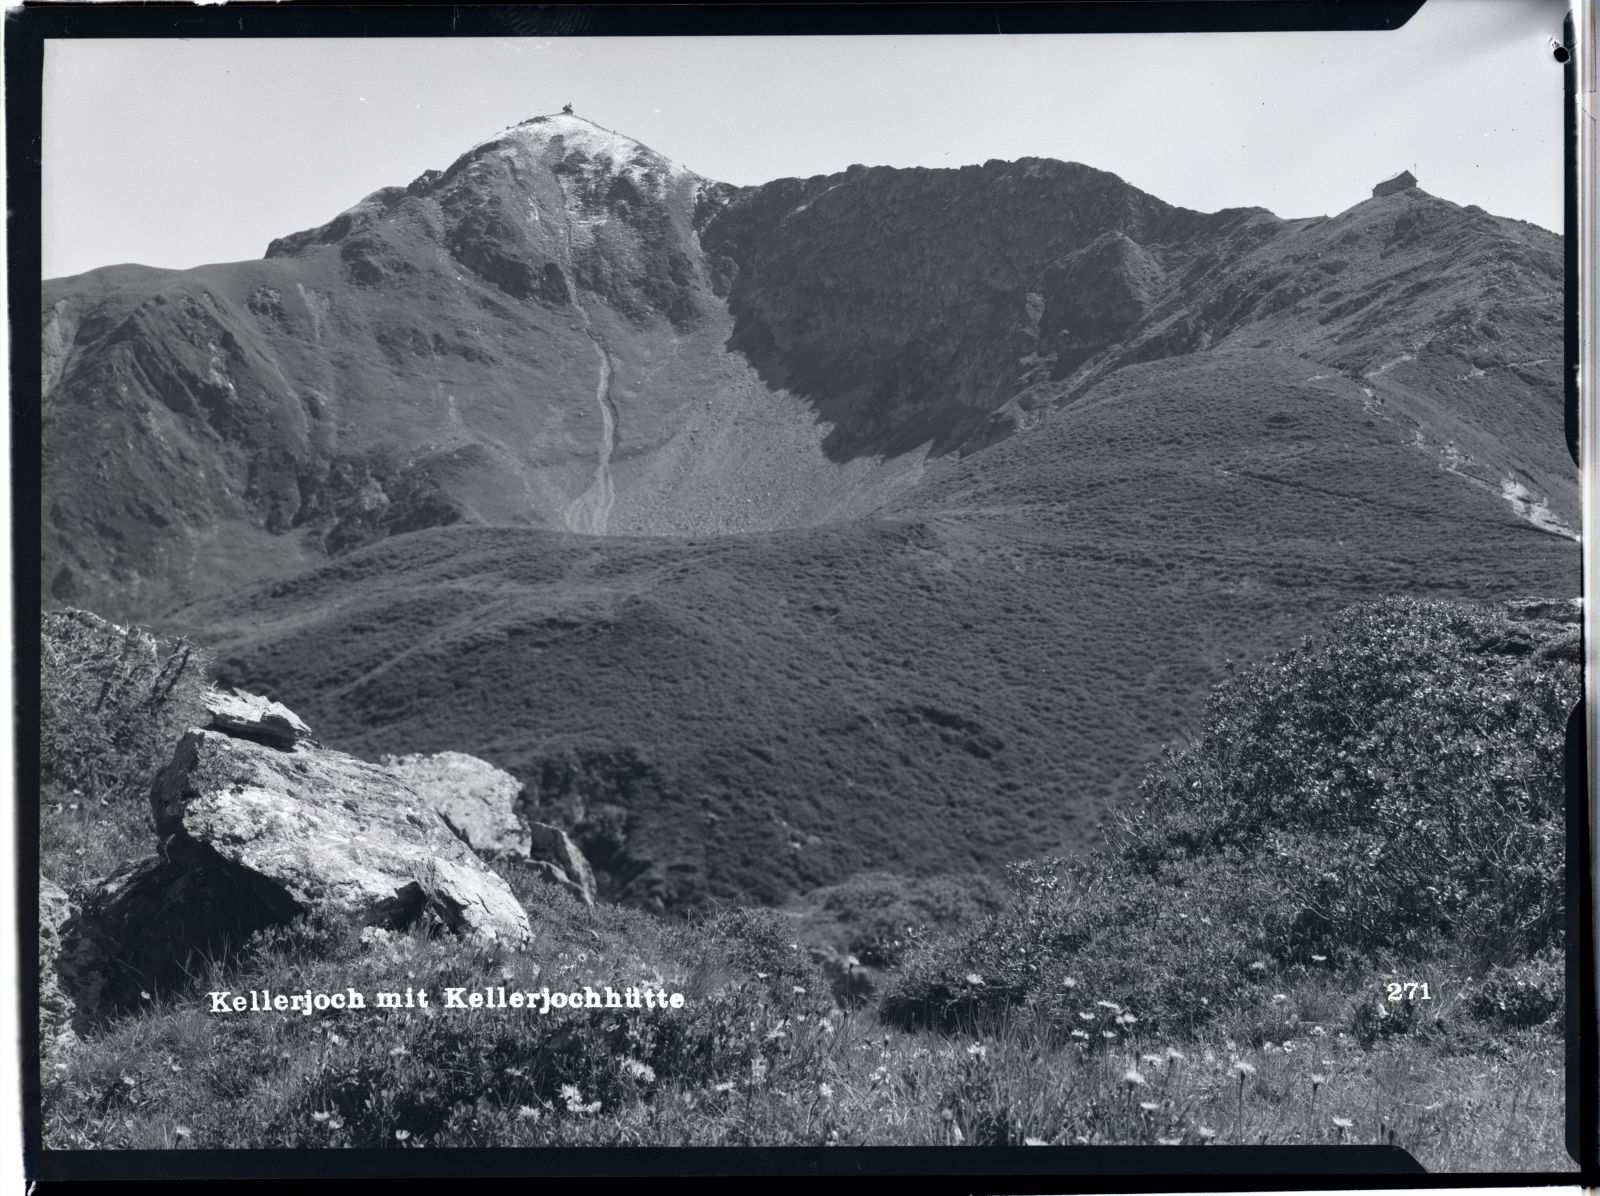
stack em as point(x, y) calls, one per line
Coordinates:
point(113, 702)
point(1390, 795)
point(1201, 981)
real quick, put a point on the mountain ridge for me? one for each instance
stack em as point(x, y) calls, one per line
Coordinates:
point(479, 316)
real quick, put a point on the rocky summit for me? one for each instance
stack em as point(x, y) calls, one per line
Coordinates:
point(886, 520)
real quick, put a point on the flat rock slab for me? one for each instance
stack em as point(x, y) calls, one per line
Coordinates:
point(329, 833)
point(254, 717)
point(478, 800)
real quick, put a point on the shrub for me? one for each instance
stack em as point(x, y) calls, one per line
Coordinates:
point(878, 915)
point(761, 941)
point(112, 703)
point(1403, 779)
point(1393, 792)
point(1525, 994)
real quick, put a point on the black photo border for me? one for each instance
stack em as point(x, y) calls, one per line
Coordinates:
point(1009, 1169)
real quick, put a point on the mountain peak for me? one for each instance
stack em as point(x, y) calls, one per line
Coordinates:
point(565, 137)
point(554, 201)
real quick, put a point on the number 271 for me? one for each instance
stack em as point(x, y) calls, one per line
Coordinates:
point(1411, 991)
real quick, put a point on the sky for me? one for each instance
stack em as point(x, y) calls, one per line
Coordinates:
point(179, 152)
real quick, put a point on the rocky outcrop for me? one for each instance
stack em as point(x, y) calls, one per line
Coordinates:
point(250, 716)
point(319, 831)
point(550, 206)
point(478, 800)
point(258, 826)
point(558, 859)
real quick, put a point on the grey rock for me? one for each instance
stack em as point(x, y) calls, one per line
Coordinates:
point(251, 716)
point(478, 800)
point(557, 875)
point(552, 845)
point(319, 831)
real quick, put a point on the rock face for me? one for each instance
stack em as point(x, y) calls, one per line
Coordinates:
point(480, 803)
point(478, 800)
point(558, 858)
point(250, 716)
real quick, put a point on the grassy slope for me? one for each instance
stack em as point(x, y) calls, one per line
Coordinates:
point(974, 679)
point(176, 1077)
point(1297, 1050)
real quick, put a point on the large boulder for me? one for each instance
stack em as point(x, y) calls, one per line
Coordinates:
point(318, 831)
point(478, 800)
point(558, 859)
point(483, 805)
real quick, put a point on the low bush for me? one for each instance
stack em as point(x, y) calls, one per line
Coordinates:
point(112, 703)
point(1528, 993)
point(1404, 777)
point(1393, 792)
point(877, 916)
